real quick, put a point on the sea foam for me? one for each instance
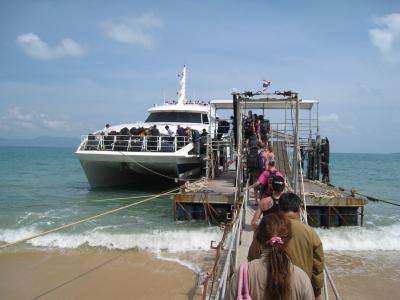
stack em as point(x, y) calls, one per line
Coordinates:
point(361, 238)
point(173, 241)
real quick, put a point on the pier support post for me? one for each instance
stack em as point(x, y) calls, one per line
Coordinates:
point(296, 149)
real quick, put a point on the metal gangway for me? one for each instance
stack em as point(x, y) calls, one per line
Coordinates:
point(288, 140)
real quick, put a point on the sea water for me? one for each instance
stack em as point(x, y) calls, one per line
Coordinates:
point(44, 188)
point(375, 175)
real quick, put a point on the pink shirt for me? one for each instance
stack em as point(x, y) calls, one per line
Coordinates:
point(263, 179)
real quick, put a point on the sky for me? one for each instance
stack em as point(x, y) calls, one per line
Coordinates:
point(69, 67)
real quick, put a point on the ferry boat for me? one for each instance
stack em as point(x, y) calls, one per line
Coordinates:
point(122, 154)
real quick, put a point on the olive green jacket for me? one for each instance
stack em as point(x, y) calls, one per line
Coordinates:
point(305, 251)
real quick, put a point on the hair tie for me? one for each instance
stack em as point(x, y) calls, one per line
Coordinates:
point(275, 240)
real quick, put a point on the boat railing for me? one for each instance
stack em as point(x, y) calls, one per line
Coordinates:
point(133, 143)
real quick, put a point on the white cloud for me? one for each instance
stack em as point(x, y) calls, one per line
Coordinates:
point(36, 48)
point(367, 90)
point(15, 118)
point(332, 117)
point(387, 37)
point(133, 30)
point(15, 113)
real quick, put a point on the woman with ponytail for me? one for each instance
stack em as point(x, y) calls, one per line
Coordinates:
point(273, 276)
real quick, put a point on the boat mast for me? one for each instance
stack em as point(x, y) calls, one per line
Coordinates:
point(182, 83)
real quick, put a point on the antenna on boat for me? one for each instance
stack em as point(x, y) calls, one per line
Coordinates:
point(182, 83)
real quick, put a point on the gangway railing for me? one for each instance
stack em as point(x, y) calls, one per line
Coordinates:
point(134, 143)
point(233, 249)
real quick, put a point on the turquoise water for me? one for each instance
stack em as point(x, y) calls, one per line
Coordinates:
point(43, 188)
point(376, 175)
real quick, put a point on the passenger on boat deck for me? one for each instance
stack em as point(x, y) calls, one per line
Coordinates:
point(196, 140)
point(270, 204)
point(305, 248)
point(188, 133)
point(273, 276)
point(141, 131)
point(154, 131)
point(203, 142)
point(180, 132)
point(106, 129)
point(169, 131)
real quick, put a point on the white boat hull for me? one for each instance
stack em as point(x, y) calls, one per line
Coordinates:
point(113, 168)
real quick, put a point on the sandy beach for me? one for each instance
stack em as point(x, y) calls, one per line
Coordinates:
point(93, 274)
point(366, 275)
point(105, 274)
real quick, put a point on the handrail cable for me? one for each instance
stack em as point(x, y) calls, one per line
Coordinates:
point(377, 199)
point(304, 211)
point(374, 199)
point(335, 291)
point(235, 234)
point(86, 219)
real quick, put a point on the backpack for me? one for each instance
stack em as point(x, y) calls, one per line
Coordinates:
point(261, 162)
point(266, 189)
point(265, 127)
point(248, 127)
point(252, 159)
point(253, 142)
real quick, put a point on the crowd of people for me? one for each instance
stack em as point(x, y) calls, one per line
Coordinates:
point(286, 258)
point(118, 140)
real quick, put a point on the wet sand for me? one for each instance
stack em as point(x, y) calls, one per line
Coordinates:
point(105, 274)
point(93, 274)
point(367, 275)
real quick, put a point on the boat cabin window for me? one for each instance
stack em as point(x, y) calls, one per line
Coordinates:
point(174, 116)
point(205, 119)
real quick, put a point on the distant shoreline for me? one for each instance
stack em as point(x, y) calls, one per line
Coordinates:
point(41, 141)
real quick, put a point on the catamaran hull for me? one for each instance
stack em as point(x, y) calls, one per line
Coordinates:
point(106, 169)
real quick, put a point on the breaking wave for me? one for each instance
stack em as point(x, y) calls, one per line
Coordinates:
point(173, 241)
point(182, 240)
point(361, 238)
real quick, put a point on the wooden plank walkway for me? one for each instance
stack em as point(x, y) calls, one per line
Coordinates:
point(247, 232)
point(282, 160)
